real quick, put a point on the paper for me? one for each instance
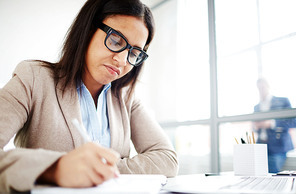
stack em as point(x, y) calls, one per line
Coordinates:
point(144, 184)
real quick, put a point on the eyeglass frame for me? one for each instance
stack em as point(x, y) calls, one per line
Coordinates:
point(108, 30)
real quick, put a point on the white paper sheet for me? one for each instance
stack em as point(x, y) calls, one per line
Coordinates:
point(144, 184)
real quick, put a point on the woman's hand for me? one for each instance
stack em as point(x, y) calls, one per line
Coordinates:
point(86, 166)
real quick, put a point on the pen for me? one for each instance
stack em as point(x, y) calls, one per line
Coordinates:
point(81, 130)
point(243, 141)
point(247, 137)
point(86, 138)
point(83, 133)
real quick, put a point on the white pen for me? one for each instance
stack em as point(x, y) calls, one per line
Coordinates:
point(83, 133)
point(247, 137)
point(81, 130)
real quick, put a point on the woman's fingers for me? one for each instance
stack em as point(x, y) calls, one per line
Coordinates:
point(95, 178)
point(88, 165)
point(106, 154)
point(105, 170)
point(105, 166)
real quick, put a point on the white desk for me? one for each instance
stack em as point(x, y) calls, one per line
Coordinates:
point(228, 183)
point(151, 184)
point(184, 181)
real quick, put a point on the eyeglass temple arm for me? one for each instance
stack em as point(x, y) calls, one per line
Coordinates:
point(102, 26)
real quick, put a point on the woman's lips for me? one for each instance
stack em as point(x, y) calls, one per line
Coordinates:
point(113, 70)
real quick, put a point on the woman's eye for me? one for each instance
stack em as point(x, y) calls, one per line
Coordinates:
point(115, 41)
point(133, 54)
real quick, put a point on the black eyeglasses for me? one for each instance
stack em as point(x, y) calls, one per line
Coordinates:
point(116, 42)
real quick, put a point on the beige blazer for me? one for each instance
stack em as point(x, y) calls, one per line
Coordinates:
point(32, 106)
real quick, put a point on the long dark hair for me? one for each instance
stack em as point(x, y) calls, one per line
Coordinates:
point(70, 68)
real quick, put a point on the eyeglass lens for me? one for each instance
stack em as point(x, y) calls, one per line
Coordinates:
point(117, 44)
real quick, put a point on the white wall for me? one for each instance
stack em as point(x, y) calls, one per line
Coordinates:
point(33, 29)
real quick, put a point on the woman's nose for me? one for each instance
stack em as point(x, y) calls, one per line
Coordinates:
point(121, 57)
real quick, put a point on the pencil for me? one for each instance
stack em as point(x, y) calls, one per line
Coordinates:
point(236, 140)
point(253, 137)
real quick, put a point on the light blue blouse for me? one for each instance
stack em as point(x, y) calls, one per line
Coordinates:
point(95, 121)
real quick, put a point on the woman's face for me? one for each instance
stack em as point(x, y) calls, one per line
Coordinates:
point(104, 66)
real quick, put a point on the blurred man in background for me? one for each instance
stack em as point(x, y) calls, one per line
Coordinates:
point(274, 132)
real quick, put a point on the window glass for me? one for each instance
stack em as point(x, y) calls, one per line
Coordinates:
point(254, 42)
point(192, 144)
point(276, 18)
point(236, 26)
point(192, 61)
point(228, 134)
point(236, 86)
point(175, 82)
point(277, 139)
point(278, 66)
point(157, 87)
point(177, 71)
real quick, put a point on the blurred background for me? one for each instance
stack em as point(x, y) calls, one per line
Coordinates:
point(200, 79)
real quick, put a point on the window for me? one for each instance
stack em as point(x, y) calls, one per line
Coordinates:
point(176, 80)
point(253, 42)
point(205, 60)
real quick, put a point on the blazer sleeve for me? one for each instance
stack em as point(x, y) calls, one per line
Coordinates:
point(155, 152)
point(19, 168)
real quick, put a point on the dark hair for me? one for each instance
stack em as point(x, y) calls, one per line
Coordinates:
point(71, 65)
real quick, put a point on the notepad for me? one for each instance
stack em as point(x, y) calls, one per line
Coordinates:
point(145, 184)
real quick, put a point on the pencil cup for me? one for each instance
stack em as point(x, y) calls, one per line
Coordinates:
point(250, 160)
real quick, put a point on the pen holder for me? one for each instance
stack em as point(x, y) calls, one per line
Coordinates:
point(250, 160)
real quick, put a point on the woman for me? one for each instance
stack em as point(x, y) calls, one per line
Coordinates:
point(93, 83)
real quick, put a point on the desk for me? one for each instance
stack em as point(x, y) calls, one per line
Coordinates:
point(195, 183)
point(185, 179)
point(140, 187)
point(179, 180)
point(228, 183)
point(188, 181)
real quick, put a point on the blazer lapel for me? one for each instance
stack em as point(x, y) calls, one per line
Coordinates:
point(115, 122)
point(70, 107)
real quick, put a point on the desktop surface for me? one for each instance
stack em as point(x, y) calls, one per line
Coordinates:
point(199, 183)
point(195, 183)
